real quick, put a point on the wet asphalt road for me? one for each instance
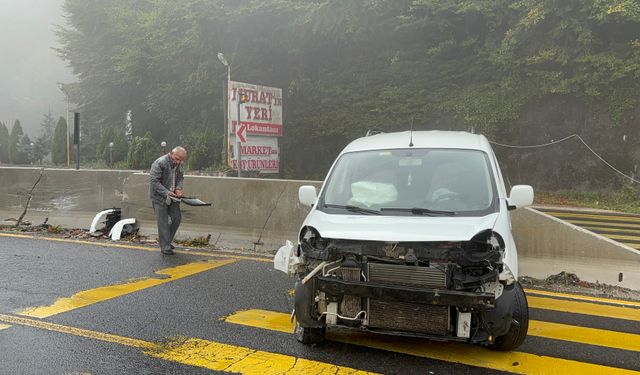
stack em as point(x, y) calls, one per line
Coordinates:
point(98, 337)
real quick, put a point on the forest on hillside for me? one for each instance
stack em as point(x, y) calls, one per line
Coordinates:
point(522, 72)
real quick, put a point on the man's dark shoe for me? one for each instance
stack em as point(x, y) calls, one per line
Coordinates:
point(167, 252)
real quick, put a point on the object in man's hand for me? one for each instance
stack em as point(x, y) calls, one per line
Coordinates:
point(191, 201)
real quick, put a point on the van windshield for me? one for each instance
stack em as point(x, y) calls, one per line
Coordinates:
point(408, 182)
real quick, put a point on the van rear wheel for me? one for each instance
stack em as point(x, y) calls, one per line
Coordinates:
point(310, 335)
point(519, 324)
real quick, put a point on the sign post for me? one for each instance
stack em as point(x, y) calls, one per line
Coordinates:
point(242, 98)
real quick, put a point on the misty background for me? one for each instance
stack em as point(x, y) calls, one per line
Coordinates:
point(519, 72)
point(29, 68)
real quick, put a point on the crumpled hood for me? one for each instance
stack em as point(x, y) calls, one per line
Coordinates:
point(399, 228)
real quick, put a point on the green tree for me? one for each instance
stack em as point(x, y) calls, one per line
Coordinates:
point(4, 143)
point(59, 143)
point(205, 153)
point(40, 149)
point(142, 152)
point(47, 126)
point(120, 148)
point(25, 150)
point(517, 71)
point(16, 151)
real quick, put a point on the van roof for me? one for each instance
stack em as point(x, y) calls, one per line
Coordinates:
point(421, 139)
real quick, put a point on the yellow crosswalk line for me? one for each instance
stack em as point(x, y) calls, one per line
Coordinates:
point(472, 355)
point(91, 296)
point(4, 326)
point(603, 229)
point(583, 335)
point(593, 216)
point(583, 223)
point(202, 353)
point(605, 225)
point(621, 237)
point(584, 308)
point(582, 297)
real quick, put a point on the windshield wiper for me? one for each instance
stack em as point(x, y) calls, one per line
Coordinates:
point(420, 211)
point(354, 208)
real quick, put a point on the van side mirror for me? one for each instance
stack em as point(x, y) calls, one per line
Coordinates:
point(307, 195)
point(520, 196)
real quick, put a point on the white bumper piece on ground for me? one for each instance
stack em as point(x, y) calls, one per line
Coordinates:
point(97, 219)
point(116, 231)
point(285, 259)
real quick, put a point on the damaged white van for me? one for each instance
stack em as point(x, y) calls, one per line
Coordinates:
point(410, 235)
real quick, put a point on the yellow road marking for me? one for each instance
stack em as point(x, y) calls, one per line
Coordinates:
point(592, 216)
point(281, 322)
point(4, 326)
point(134, 247)
point(603, 229)
point(609, 224)
point(224, 357)
point(201, 353)
point(91, 296)
point(275, 321)
point(77, 331)
point(585, 308)
point(583, 297)
point(583, 335)
point(472, 355)
point(621, 237)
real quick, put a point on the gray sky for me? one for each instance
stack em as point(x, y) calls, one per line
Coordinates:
point(29, 68)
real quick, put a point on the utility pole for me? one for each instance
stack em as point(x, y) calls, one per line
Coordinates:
point(62, 88)
point(225, 100)
point(240, 99)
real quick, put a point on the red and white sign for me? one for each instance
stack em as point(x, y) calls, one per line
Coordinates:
point(262, 113)
point(260, 125)
point(242, 133)
point(258, 154)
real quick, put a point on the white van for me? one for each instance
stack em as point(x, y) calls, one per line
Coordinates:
point(411, 235)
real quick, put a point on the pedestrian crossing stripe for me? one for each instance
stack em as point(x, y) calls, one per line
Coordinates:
point(202, 353)
point(472, 355)
point(599, 217)
point(585, 308)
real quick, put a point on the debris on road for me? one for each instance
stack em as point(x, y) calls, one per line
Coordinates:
point(571, 283)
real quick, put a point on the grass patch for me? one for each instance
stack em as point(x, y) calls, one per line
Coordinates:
point(626, 199)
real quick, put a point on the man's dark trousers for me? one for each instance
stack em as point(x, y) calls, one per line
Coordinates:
point(167, 231)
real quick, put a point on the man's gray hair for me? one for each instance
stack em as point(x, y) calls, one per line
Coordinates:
point(179, 149)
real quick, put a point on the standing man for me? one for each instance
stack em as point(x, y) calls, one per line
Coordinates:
point(166, 179)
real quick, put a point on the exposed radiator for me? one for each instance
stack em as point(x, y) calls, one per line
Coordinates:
point(403, 316)
point(351, 305)
point(434, 277)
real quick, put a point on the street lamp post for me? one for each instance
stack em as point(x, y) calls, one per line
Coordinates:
point(225, 97)
point(32, 157)
point(66, 94)
point(163, 144)
point(111, 154)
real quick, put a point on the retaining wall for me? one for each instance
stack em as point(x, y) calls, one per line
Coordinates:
point(248, 211)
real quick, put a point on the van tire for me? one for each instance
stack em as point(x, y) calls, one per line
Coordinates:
point(519, 324)
point(310, 335)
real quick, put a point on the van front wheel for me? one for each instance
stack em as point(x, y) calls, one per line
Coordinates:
point(519, 324)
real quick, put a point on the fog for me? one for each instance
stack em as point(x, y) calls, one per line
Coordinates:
point(29, 68)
